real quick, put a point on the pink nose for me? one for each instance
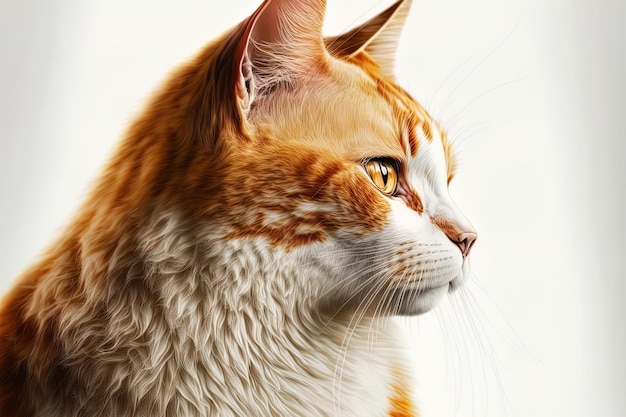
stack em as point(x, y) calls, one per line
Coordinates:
point(465, 241)
point(462, 235)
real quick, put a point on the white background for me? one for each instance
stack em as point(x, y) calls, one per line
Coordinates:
point(532, 91)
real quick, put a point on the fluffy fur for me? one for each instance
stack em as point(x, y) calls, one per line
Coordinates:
point(236, 259)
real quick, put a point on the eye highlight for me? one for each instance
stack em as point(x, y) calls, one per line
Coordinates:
point(384, 175)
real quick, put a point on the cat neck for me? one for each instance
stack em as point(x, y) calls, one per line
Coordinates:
point(251, 333)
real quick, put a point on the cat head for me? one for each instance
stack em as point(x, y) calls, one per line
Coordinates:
point(307, 144)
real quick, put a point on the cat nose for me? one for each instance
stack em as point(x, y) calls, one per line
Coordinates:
point(458, 230)
point(465, 241)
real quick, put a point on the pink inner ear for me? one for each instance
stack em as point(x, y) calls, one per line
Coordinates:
point(293, 22)
point(267, 27)
point(285, 34)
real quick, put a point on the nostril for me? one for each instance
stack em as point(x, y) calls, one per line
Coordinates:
point(465, 242)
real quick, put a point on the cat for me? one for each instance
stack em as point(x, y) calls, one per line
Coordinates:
point(279, 198)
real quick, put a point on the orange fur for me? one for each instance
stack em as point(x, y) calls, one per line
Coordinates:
point(401, 403)
point(451, 161)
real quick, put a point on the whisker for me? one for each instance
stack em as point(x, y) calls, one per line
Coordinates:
point(354, 277)
point(356, 319)
point(447, 102)
point(485, 318)
point(458, 138)
point(444, 82)
point(494, 359)
point(484, 93)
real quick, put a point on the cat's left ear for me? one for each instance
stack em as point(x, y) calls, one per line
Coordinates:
point(378, 37)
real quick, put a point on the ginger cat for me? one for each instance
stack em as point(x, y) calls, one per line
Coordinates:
point(277, 200)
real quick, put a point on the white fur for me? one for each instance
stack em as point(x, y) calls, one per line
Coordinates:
point(234, 331)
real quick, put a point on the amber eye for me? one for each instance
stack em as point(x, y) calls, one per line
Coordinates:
point(384, 175)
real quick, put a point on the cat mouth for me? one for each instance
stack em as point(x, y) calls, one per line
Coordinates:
point(433, 278)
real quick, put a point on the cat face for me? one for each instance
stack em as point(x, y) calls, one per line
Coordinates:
point(340, 166)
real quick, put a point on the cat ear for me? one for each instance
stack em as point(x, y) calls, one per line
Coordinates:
point(281, 39)
point(378, 37)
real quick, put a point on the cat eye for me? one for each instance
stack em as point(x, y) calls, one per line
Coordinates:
point(383, 174)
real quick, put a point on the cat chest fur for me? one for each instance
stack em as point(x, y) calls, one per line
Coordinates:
point(260, 336)
point(232, 335)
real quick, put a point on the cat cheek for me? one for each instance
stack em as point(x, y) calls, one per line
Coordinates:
point(365, 209)
point(410, 197)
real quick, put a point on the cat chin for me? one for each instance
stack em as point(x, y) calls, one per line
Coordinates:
point(413, 302)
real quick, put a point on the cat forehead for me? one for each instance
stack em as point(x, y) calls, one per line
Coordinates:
point(353, 111)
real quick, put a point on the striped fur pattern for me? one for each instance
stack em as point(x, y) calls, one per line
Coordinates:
point(236, 258)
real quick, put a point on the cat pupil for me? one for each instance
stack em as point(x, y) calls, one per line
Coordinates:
point(384, 171)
